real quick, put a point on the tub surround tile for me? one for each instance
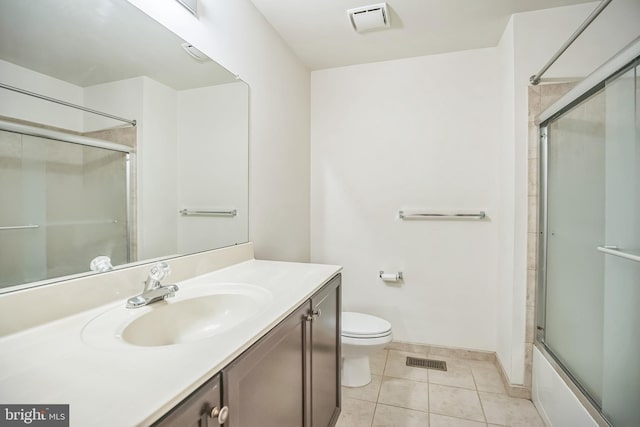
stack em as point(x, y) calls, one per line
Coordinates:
point(550, 93)
point(529, 333)
point(125, 135)
point(532, 177)
point(533, 143)
point(356, 413)
point(369, 392)
point(455, 402)
point(534, 101)
point(504, 410)
point(392, 416)
point(531, 288)
point(532, 251)
point(528, 364)
point(532, 212)
point(436, 420)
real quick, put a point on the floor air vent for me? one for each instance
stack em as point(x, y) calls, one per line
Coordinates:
point(418, 362)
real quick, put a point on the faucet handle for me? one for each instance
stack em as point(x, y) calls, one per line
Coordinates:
point(159, 271)
point(101, 264)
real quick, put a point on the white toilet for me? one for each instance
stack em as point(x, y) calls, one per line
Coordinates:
point(362, 334)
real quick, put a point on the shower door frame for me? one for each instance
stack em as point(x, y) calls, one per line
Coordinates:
point(625, 60)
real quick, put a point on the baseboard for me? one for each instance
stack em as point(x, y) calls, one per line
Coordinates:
point(513, 390)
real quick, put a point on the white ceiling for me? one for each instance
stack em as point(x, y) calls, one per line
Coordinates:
point(90, 42)
point(321, 35)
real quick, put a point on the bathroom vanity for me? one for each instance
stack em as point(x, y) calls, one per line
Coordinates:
point(290, 377)
point(275, 364)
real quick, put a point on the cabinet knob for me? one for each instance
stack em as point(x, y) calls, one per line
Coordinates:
point(222, 414)
point(316, 312)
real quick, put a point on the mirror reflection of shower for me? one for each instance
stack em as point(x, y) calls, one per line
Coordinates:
point(63, 203)
point(183, 117)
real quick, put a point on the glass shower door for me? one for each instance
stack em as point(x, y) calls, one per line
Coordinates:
point(621, 253)
point(592, 282)
point(62, 205)
point(22, 244)
point(575, 228)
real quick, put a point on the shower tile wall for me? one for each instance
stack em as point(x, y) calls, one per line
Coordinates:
point(540, 98)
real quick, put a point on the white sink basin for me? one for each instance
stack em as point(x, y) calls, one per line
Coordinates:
point(196, 312)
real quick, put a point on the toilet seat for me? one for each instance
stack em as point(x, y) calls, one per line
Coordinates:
point(364, 326)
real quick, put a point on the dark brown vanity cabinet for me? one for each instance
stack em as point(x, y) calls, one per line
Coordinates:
point(289, 378)
point(201, 409)
point(325, 358)
point(265, 385)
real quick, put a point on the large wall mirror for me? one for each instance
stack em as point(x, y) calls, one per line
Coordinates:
point(76, 185)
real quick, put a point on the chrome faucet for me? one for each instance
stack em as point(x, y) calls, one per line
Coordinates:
point(154, 290)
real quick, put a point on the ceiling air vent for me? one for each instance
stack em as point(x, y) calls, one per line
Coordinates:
point(369, 18)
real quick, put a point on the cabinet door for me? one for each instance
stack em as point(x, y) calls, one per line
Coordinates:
point(265, 386)
point(195, 410)
point(325, 354)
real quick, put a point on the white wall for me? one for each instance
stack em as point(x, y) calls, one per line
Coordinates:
point(237, 36)
point(157, 172)
point(213, 134)
point(121, 98)
point(413, 133)
point(24, 107)
point(504, 261)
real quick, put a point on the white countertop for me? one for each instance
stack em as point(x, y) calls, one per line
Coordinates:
point(128, 385)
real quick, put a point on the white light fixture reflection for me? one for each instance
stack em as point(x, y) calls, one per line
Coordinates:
point(195, 53)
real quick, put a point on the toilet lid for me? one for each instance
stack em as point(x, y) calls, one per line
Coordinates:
point(359, 325)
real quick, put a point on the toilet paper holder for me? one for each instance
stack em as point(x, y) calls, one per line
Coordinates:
point(390, 277)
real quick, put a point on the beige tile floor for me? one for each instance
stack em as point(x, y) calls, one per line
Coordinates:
point(469, 394)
